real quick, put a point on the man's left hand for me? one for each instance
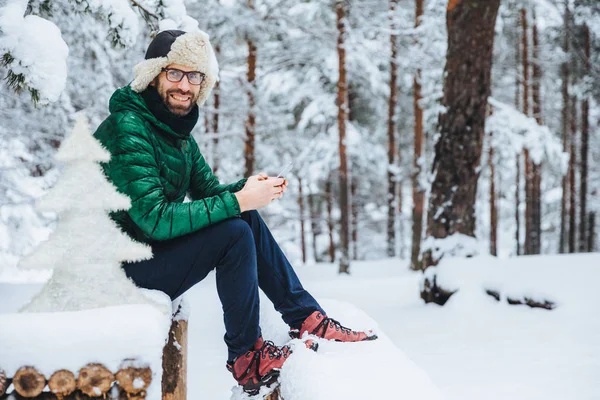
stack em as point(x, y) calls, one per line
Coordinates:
point(262, 176)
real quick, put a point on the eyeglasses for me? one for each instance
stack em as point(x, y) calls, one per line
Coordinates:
point(176, 75)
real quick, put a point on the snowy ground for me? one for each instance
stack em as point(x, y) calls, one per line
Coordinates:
point(472, 348)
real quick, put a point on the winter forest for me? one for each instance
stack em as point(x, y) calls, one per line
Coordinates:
point(418, 131)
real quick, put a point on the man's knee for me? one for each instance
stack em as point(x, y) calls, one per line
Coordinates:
point(239, 230)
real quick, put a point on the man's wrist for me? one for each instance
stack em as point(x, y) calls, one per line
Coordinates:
point(241, 199)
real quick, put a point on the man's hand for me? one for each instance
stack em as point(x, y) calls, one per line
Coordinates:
point(259, 191)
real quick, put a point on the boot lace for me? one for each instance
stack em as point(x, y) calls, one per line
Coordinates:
point(268, 349)
point(330, 323)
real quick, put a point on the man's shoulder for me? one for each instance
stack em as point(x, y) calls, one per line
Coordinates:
point(122, 126)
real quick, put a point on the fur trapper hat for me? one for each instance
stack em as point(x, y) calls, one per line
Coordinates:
point(192, 49)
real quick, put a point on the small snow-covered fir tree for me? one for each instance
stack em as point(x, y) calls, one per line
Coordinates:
point(87, 248)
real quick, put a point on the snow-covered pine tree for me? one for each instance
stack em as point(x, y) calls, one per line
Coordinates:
point(86, 249)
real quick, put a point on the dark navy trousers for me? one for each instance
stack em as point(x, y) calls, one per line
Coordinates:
point(246, 257)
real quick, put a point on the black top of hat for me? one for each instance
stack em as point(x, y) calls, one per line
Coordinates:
point(161, 44)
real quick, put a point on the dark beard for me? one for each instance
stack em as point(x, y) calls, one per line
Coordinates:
point(179, 110)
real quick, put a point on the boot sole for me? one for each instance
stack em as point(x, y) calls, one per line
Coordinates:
point(267, 380)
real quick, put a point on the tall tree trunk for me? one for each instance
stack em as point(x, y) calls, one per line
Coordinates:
point(342, 103)
point(518, 83)
point(591, 236)
point(536, 170)
point(251, 120)
point(493, 209)
point(329, 198)
point(314, 206)
point(391, 221)
point(400, 201)
point(518, 205)
point(572, 186)
point(565, 129)
point(301, 207)
point(583, 188)
point(457, 159)
point(418, 193)
point(215, 119)
point(526, 157)
point(354, 192)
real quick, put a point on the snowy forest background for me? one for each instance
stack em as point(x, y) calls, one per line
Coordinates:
point(276, 102)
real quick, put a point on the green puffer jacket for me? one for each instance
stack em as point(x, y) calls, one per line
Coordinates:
point(156, 167)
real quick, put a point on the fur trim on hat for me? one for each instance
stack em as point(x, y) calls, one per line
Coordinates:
point(193, 50)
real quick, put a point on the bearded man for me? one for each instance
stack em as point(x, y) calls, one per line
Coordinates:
point(156, 162)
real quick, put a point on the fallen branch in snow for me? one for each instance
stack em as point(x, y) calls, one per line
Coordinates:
point(545, 304)
point(431, 292)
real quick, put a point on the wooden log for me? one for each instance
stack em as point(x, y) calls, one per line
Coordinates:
point(546, 304)
point(274, 395)
point(95, 380)
point(3, 382)
point(62, 383)
point(28, 382)
point(174, 379)
point(134, 381)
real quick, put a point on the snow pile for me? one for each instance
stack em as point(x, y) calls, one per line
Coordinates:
point(70, 340)
point(37, 50)
point(561, 279)
point(365, 370)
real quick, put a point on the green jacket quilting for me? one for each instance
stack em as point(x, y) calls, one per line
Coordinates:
point(156, 167)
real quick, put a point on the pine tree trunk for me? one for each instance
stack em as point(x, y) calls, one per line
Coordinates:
point(400, 201)
point(314, 206)
point(572, 186)
point(418, 193)
point(301, 208)
point(583, 188)
point(342, 103)
point(251, 120)
point(518, 205)
point(518, 83)
point(457, 160)
point(591, 236)
point(565, 128)
point(215, 119)
point(493, 209)
point(391, 221)
point(536, 170)
point(329, 197)
point(526, 157)
point(354, 190)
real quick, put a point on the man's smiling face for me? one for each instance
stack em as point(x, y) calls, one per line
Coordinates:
point(179, 97)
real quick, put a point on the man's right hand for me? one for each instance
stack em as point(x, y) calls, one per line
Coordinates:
point(259, 191)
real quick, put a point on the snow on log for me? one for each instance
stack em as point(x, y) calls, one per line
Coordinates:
point(62, 383)
point(95, 380)
point(134, 381)
point(3, 382)
point(174, 379)
point(28, 382)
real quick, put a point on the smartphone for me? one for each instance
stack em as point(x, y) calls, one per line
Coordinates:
point(285, 170)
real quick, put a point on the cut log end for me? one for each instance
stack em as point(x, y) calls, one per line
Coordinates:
point(134, 381)
point(3, 382)
point(28, 382)
point(95, 380)
point(62, 383)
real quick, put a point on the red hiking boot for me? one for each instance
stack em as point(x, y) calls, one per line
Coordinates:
point(328, 328)
point(259, 366)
